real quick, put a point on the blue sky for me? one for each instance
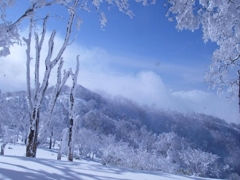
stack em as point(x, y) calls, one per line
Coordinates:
point(144, 58)
point(148, 38)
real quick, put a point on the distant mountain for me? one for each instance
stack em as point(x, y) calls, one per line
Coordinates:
point(205, 132)
point(126, 120)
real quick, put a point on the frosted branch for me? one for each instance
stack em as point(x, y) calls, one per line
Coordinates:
point(56, 92)
point(28, 50)
point(38, 47)
point(68, 32)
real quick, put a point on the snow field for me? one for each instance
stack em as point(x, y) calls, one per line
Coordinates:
point(15, 166)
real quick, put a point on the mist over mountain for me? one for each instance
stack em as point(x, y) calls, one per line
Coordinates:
point(111, 125)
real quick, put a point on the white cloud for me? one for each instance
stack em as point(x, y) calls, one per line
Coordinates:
point(141, 87)
point(101, 71)
point(148, 88)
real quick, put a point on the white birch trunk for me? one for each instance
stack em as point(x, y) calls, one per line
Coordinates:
point(72, 112)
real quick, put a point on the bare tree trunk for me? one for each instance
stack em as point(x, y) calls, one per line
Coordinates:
point(59, 156)
point(31, 149)
point(17, 134)
point(50, 142)
point(70, 141)
point(25, 135)
point(54, 143)
point(3, 147)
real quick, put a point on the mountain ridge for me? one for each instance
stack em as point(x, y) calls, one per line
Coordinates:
point(128, 122)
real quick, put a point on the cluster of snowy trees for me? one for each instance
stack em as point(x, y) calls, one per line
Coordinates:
point(166, 152)
point(139, 138)
point(196, 139)
point(14, 117)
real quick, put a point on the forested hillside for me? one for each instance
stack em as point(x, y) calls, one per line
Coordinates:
point(117, 131)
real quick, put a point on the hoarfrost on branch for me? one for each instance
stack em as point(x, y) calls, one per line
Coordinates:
point(220, 23)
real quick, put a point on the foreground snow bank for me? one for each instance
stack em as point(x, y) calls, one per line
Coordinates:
point(14, 166)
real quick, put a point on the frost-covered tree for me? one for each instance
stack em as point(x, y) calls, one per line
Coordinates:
point(8, 31)
point(115, 153)
point(35, 100)
point(219, 21)
point(199, 163)
point(87, 147)
point(68, 134)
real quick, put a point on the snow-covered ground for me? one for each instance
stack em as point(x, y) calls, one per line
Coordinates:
point(14, 166)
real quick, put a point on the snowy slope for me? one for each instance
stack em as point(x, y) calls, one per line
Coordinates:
point(14, 166)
